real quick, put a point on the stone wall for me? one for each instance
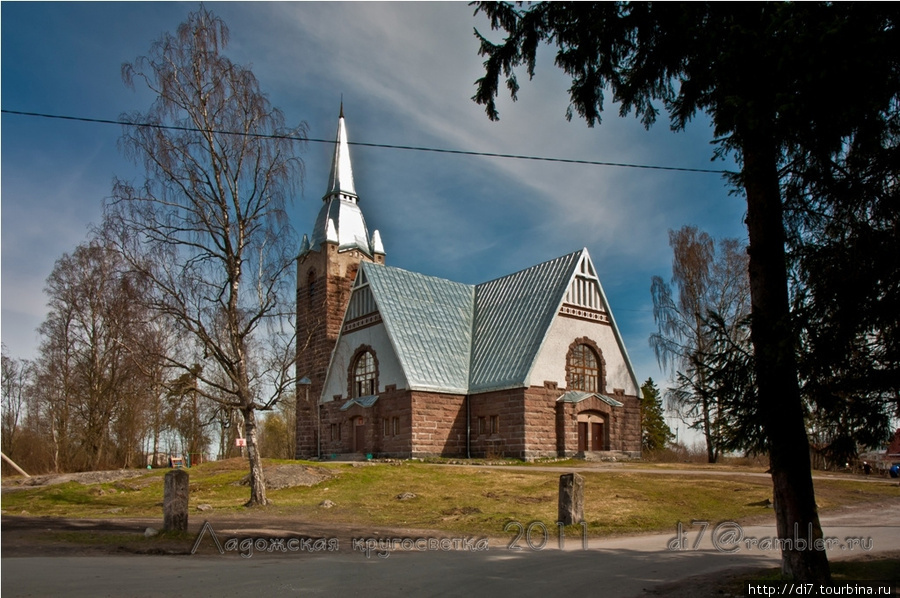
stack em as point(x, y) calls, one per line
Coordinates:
point(438, 424)
point(518, 423)
point(540, 421)
point(498, 424)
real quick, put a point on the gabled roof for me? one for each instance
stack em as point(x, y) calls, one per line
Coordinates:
point(365, 402)
point(429, 323)
point(577, 396)
point(458, 338)
point(512, 317)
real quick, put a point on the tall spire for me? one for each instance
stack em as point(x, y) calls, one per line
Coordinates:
point(341, 180)
point(341, 220)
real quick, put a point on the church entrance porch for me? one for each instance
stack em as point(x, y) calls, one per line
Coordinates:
point(592, 432)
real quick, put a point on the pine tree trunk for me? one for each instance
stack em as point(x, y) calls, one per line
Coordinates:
point(257, 479)
point(776, 369)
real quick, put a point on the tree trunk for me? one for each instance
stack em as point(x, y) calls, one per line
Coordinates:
point(776, 369)
point(257, 479)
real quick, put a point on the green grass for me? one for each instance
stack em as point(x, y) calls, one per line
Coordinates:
point(475, 500)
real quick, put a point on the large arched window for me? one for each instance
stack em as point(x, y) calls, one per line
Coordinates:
point(584, 369)
point(363, 375)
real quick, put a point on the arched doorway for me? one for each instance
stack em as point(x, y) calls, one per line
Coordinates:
point(593, 432)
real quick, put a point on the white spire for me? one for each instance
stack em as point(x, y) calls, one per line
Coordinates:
point(341, 220)
point(377, 245)
point(341, 180)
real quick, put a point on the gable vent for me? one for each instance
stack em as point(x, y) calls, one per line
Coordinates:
point(584, 292)
point(362, 303)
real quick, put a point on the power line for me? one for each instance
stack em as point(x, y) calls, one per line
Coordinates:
point(376, 145)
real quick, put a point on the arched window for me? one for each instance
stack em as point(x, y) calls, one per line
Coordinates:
point(583, 365)
point(363, 375)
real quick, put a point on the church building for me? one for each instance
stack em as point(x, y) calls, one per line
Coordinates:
point(401, 364)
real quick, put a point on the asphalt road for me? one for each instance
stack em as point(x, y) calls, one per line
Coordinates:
point(613, 567)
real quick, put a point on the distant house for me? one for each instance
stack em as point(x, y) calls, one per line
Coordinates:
point(407, 365)
point(893, 450)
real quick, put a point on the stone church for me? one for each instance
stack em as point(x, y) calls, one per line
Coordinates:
point(401, 364)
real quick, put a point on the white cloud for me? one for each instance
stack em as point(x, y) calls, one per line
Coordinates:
point(407, 71)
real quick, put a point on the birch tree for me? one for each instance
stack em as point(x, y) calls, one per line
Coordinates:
point(709, 281)
point(207, 227)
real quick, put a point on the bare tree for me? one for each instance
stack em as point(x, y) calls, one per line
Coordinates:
point(89, 379)
point(16, 378)
point(207, 228)
point(709, 284)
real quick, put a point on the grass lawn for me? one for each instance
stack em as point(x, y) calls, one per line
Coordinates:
point(472, 500)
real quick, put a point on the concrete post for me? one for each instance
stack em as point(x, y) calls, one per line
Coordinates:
point(571, 499)
point(175, 501)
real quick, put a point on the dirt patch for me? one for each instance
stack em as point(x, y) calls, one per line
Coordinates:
point(86, 478)
point(289, 476)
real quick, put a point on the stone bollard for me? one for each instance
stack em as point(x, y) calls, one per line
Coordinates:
point(571, 499)
point(175, 501)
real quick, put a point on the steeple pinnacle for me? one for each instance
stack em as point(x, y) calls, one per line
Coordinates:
point(341, 180)
point(340, 220)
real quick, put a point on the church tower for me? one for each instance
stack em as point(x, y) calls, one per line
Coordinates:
point(326, 267)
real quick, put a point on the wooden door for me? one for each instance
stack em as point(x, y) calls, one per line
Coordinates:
point(597, 436)
point(359, 437)
point(582, 436)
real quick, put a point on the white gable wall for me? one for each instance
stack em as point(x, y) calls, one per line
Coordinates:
point(389, 370)
point(550, 364)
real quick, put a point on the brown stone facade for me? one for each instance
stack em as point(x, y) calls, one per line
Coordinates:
point(382, 430)
point(324, 279)
point(524, 423)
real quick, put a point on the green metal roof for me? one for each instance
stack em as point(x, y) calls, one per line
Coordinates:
point(429, 323)
point(512, 317)
point(453, 337)
point(576, 396)
point(365, 402)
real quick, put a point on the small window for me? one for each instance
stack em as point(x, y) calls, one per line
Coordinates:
point(335, 434)
point(495, 424)
point(385, 427)
point(364, 375)
point(311, 286)
point(482, 425)
point(396, 426)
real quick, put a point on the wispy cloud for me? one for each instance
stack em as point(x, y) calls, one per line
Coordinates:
point(407, 72)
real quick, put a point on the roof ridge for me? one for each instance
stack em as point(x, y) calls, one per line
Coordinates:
point(414, 273)
point(535, 266)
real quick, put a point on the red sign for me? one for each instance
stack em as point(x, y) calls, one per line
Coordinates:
point(240, 442)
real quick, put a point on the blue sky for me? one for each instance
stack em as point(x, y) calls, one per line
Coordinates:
point(406, 72)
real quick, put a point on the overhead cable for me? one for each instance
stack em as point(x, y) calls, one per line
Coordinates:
point(375, 145)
